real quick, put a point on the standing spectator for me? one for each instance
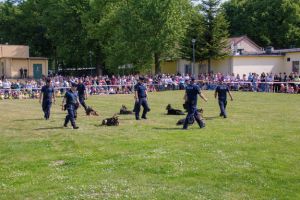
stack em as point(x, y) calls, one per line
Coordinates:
point(277, 84)
point(6, 86)
point(25, 73)
point(21, 73)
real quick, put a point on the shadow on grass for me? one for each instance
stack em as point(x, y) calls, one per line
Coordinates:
point(211, 118)
point(129, 119)
point(169, 129)
point(23, 120)
point(49, 128)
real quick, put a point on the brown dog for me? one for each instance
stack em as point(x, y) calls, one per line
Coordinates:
point(172, 111)
point(113, 121)
point(125, 111)
point(192, 120)
point(90, 111)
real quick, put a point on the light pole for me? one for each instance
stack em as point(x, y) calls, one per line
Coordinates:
point(90, 53)
point(193, 65)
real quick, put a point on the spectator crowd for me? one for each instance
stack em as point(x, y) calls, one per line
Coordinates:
point(265, 82)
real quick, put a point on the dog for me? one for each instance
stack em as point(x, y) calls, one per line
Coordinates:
point(90, 111)
point(185, 107)
point(125, 111)
point(191, 120)
point(114, 121)
point(172, 111)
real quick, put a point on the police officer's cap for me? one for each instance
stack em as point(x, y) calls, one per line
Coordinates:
point(48, 80)
point(193, 79)
point(141, 78)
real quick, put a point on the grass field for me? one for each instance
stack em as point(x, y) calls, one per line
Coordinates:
point(253, 154)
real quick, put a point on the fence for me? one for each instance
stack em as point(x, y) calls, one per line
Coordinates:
point(280, 87)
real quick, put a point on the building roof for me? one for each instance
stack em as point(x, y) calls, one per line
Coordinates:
point(293, 50)
point(236, 40)
point(259, 55)
point(38, 58)
point(30, 58)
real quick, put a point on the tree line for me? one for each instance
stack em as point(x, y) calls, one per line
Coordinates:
point(112, 33)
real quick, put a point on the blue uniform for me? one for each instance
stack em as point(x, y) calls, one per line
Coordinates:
point(192, 92)
point(47, 92)
point(222, 98)
point(81, 89)
point(142, 101)
point(71, 102)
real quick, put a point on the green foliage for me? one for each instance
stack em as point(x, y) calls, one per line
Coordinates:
point(135, 30)
point(143, 32)
point(210, 29)
point(63, 20)
point(267, 22)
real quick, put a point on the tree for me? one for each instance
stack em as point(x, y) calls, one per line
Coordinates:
point(63, 19)
point(8, 13)
point(210, 29)
point(195, 30)
point(141, 30)
point(267, 22)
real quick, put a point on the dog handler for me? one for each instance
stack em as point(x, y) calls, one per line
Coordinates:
point(191, 96)
point(47, 94)
point(140, 96)
point(82, 94)
point(71, 101)
point(221, 92)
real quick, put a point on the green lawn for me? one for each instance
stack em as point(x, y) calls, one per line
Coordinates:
point(253, 154)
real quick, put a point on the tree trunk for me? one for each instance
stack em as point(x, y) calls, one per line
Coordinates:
point(99, 69)
point(99, 66)
point(157, 63)
point(209, 65)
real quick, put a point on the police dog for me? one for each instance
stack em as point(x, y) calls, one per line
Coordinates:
point(125, 111)
point(172, 111)
point(113, 121)
point(185, 106)
point(191, 120)
point(90, 111)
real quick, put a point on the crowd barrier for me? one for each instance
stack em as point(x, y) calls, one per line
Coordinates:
point(282, 87)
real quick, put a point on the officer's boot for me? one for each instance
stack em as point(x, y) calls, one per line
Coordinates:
point(200, 122)
point(74, 126)
point(185, 125)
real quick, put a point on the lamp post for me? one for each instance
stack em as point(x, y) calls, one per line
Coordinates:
point(90, 54)
point(193, 65)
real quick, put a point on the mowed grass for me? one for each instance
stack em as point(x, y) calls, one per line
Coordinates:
point(253, 154)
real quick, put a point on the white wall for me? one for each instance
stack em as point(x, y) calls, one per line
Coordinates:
point(293, 57)
point(14, 51)
point(258, 64)
point(222, 66)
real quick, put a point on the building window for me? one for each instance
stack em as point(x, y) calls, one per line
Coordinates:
point(296, 65)
point(288, 59)
point(188, 69)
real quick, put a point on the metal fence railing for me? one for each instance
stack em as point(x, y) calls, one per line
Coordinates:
point(278, 87)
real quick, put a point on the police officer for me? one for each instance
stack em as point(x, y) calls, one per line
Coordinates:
point(69, 103)
point(191, 96)
point(221, 91)
point(140, 95)
point(82, 94)
point(47, 94)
